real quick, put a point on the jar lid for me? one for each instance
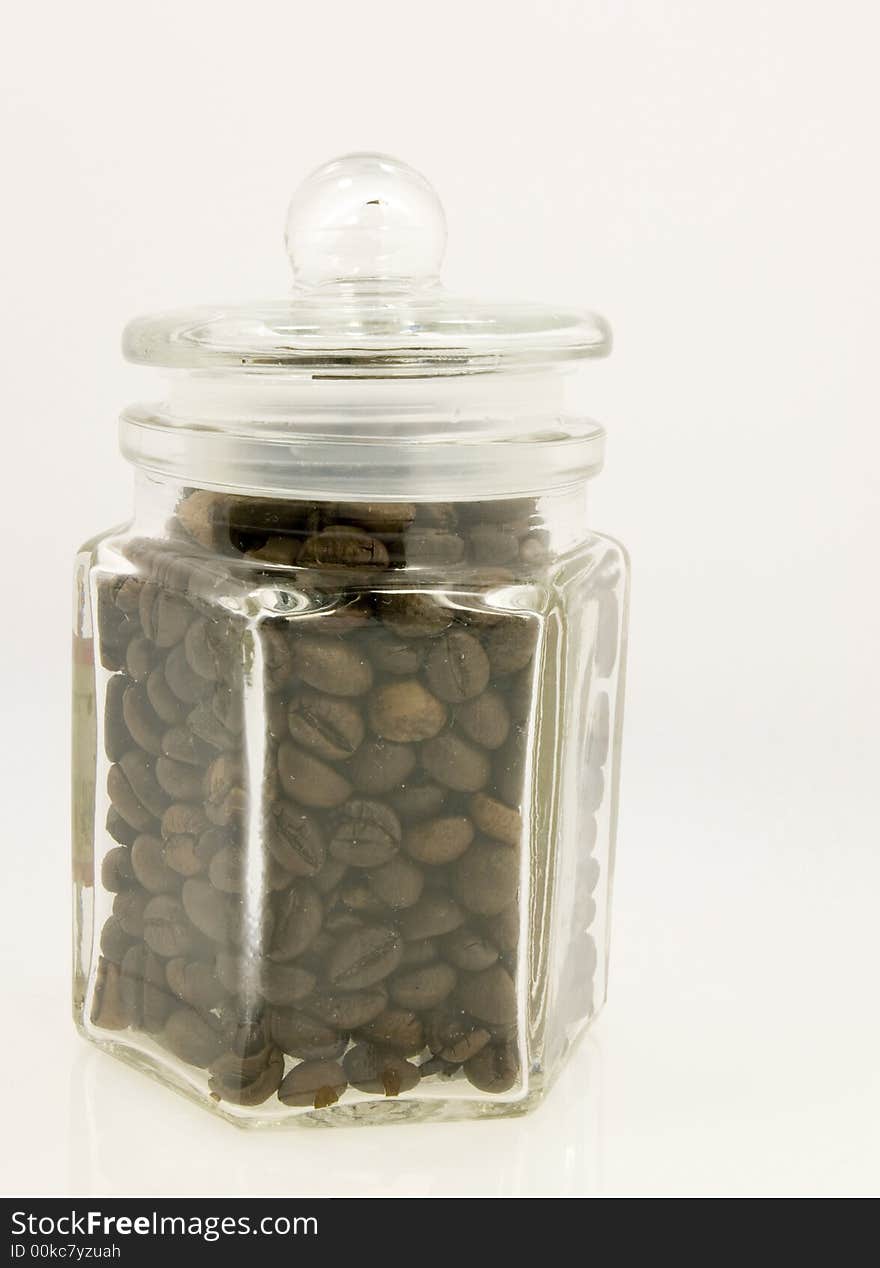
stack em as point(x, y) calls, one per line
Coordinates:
point(366, 236)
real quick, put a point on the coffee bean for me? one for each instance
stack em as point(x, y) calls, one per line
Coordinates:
point(343, 547)
point(455, 1037)
point(164, 702)
point(184, 682)
point(364, 957)
point(309, 780)
point(434, 914)
point(378, 517)
point(380, 766)
point(208, 910)
point(166, 927)
point(117, 873)
point(191, 1038)
point(493, 544)
point(397, 884)
point(467, 949)
point(422, 951)
point(438, 841)
point(511, 645)
point(195, 983)
point(277, 550)
point(405, 711)
point(108, 1011)
point(140, 657)
point(149, 866)
point(300, 1035)
point(332, 666)
point(125, 802)
point(456, 763)
point(485, 880)
point(285, 984)
point(347, 1010)
point(180, 781)
point(144, 990)
point(496, 820)
point(490, 996)
point(485, 719)
point(331, 873)
point(396, 1028)
point(164, 615)
point(299, 914)
point(413, 615)
point(294, 839)
point(365, 833)
point(277, 657)
point(314, 1083)
point(247, 1080)
point(417, 800)
point(205, 725)
point(494, 1069)
point(180, 744)
point(370, 1068)
point(330, 727)
point(391, 655)
point(503, 928)
point(457, 668)
point(428, 546)
point(117, 737)
point(114, 940)
point(424, 987)
point(128, 908)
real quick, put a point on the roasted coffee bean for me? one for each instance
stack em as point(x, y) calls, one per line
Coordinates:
point(117, 737)
point(277, 657)
point(427, 547)
point(309, 780)
point(192, 1038)
point(495, 819)
point(438, 841)
point(437, 514)
point(181, 819)
point(511, 645)
point(332, 666)
point(108, 1011)
point(299, 914)
point(380, 766)
point(225, 797)
point(357, 896)
point(347, 1010)
point(329, 876)
point(195, 982)
point(206, 726)
point(343, 547)
point(144, 989)
point(294, 839)
point(278, 550)
point(164, 702)
point(417, 800)
point(467, 949)
point(167, 930)
point(208, 910)
point(378, 517)
point(180, 781)
point(457, 668)
point(209, 646)
point(413, 615)
point(492, 544)
point(140, 771)
point(184, 682)
point(164, 615)
point(149, 866)
point(140, 657)
point(364, 957)
point(391, 655)
point(405, 711)
point(485, 719)
point(314, 1083)
point(434, 914)
point(114, 940)
point(180, 744)
point(330, 727)
point(485, 880)
point(503, 928)
point(456, 763)
point(370, 1068)
point(247, 1080)
point(437, 1066)
point(396, 1028)
point(300, 1035)
point(415, 954)
point(128, 908)
point(276, 717)
point(119, 829)
point(365, 833)
point(489, 996)
point(285, 984)
point(124, 800)
point(226, 871)
point(117, 873)
point(424, 987)
point(397, 884)
point(494, 1069)
point(454, 1037)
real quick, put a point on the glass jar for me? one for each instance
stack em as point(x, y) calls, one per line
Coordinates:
point(347, 691)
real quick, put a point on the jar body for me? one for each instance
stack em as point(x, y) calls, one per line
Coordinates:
point(345, 789)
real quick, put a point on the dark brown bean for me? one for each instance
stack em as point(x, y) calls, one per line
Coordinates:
point(380, 766)
point(438, 841)
point(489, 996)
point(117, 872)
point(309, 780)
point(347, 1010)
point(365, 833)
point(457, 668)
point(166, 928)
point(364, 957)
point(511, 644)
point(495, 819)
point(333, 667)
point(300, 1035)
point(456, 763)
point(343, 547)
point(467, 949)
point(397, 884)
point(117, 737)
point(494, 1069)
point(485, 880)
point(417, 800)
point(294, 839)
point(485, 719)
point(208, 910)
point(299, 914)
point(370, 1068)
point(413, 615)
point(405, 711)
point(424, 987)
point(315, 1083)
point(455, 1037)
point(434, 914)
point(149, 866)
point(396, 1028)
point(330, 727)
point(191, 1038)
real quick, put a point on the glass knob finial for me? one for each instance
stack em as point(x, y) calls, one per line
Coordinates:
point(366, 218)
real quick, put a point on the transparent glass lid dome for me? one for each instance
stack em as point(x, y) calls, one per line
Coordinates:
point(366, 236)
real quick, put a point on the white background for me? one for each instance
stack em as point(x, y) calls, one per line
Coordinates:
point(705, 173)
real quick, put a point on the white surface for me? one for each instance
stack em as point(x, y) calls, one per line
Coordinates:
point(705, 174)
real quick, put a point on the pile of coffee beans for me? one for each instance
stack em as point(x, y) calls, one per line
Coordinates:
point(315, 839)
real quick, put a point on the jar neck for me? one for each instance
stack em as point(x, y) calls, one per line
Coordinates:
point(284, 435)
